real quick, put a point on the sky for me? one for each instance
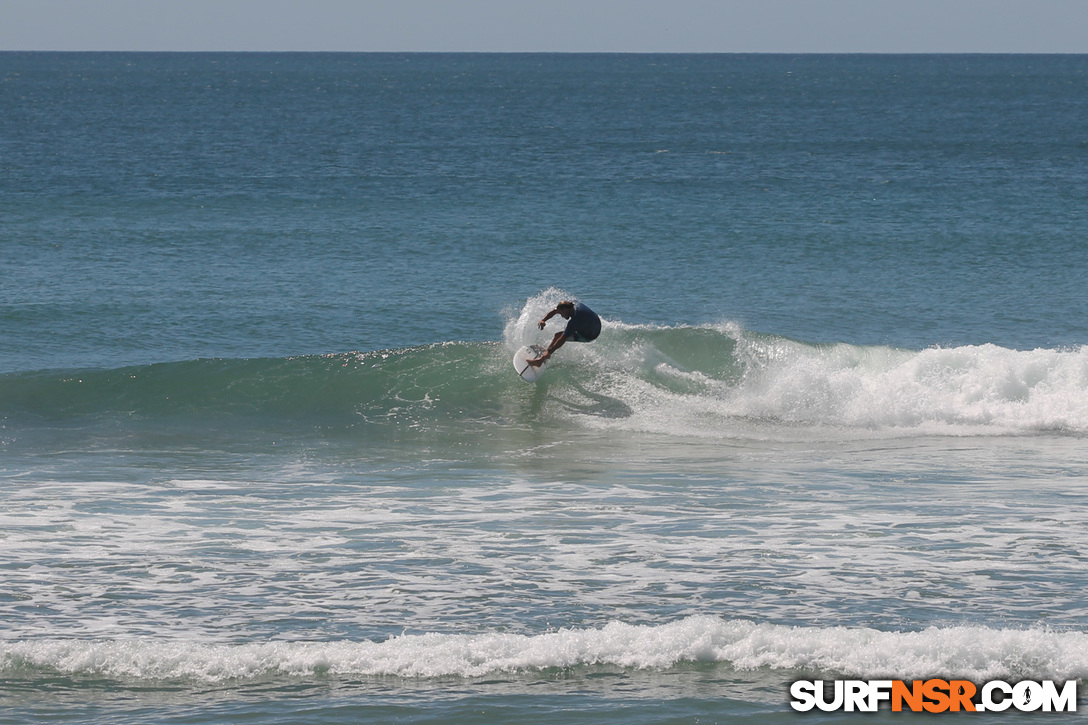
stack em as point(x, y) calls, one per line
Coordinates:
point(694, 26)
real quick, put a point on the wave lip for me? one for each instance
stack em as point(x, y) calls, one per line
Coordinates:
point(975, 653)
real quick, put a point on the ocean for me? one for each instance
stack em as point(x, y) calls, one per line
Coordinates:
point(264, 457)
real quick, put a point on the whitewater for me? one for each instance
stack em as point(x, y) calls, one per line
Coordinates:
point(976, 653)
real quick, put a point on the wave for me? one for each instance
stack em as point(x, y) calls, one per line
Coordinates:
point(330, 385)
point(975, 653)
point(709, 380)
point(747, 379)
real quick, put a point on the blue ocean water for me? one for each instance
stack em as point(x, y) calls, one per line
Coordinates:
point(264, 456)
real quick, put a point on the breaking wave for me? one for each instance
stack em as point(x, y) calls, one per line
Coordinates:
point(976, 653)
point(708, 380)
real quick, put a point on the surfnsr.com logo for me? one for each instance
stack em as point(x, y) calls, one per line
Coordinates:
point(933, 695)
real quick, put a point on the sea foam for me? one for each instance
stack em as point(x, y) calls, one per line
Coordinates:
point(976, 653)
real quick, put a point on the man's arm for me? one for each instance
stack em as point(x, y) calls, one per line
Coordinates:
point(547, 317)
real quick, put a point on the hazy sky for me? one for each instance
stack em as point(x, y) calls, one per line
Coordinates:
point(869, 26)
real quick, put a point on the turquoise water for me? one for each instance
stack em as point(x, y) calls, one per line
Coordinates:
point(264, 456)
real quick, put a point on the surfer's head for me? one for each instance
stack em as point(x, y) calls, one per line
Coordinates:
point(565, 308)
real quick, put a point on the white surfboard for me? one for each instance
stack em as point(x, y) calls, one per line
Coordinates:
point(527, 372)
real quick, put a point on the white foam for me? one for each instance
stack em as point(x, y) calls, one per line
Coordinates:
point(976, 653)
point(968, 390)
point(983, 388)
point(521, 325)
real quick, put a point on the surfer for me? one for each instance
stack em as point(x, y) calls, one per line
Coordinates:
point(583, 325)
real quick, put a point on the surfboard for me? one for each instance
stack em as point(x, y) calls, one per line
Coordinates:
point(527, 372)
